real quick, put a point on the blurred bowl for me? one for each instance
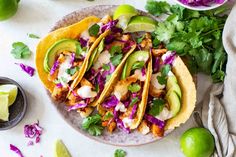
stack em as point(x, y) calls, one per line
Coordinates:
point(17, 109)
point(201, 8)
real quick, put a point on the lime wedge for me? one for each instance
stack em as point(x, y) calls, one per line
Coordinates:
point(141, 23)
point(124, 13)
point(4, 113)
point(11, 90)
point(60, 150)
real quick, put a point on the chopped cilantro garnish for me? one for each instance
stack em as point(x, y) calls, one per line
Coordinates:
point(72, 71)
point(115, 49)
point(134, 101)
point(108, 115)
point(20, 50)
point(157, 107)
point(33, 36)
point(94, 30)
point(79, 49)
point(138, 65)
point(115, 60)
point(134, 87)
point(106, 67)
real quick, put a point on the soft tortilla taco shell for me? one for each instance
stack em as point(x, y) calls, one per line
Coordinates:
point(71, 32)
point(188, 89)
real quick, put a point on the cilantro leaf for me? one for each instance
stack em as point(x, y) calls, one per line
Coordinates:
point(134, 101)
point(140, 39)
point(119, 153)
point(134, 87)
point(72, 71)
point(138, 65)
point(162, 80)
point(97, 88)
point(79, 49)
point(20, 50)
point(106, 67)
point(33, 36)
point(115, 49)
point(165, 31)
point(94, 30)
point(115, 60)
point(157, 107)
point(92, 124)
point(165, 70)
point(157, 8)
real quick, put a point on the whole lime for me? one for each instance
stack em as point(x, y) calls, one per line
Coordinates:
point(197, 142)
point(8, 8)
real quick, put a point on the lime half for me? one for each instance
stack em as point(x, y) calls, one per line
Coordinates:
point(124, 13)
point(60, 150)
point(141, 23)
point(197, 142)
point(11, 90)
point(4, 113)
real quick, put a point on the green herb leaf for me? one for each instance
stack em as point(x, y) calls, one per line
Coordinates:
point(165, 70)
point(106, 67)
point(140, 39)
point(108, 115)
point(93, 125)
point(20, 50)
point(165, 31)
point(157, 107)
point(162, 80)
point(115, 60)
point(72, 71)
point(119, 153)
point(134, 87)
point(94, 30)
point(134, 101)
point(115, 49)
point(97, 88)
point(138, 65)
point(79, 49)
point(33, 36)
point(157, 8)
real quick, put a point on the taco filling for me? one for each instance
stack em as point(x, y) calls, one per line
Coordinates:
point(102, 64)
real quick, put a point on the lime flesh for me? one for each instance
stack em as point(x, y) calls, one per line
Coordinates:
point(197, 142)
point(124, 13)
point(60, 150)
point(4, 113)
point(8, 8)
point(11, 90)
point(141, 23)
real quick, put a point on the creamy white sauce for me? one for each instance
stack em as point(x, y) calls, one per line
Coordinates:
point(145, 129)
point(86, 92)
point(155, 82)
point(170, 73)
point(127, 122)
point(142, 58)
point(139, 75)
point(104, 58)
point(85, 35)
point(164, 115)
point(62, 75)
point(120, 107)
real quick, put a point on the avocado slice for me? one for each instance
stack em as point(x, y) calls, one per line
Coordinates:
point(174, 102)
point(56, 49)
point(93, 58)
point(138, 56)
point(172, 85)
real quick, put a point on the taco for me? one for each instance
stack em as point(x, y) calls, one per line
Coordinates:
point(104, 63)
point(62, 56)
point(172, 94)
point(124, 103)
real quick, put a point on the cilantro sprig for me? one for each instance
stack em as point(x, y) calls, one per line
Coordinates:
point(157, 107)
point(194, 35)
point(92, 124)
point(20, 50)
point(119, 153)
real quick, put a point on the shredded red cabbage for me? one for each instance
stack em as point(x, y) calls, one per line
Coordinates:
point(109, 39)
point(170, 59)
point(111, 102)
point(134, 110)
point(128, 46)
point(121, 125)
point(33, 131)
point(154, 120)
point(77, 106)
point(83, 42)
point(16, 150)
point(156, 64)
point(59, 85)
point(201, 2)
point(54, 67)
point(28, 69)
point(109, 25)
point(143, 70)
point(72, 59)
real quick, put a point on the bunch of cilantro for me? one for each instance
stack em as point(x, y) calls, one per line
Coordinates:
point(194, 35)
